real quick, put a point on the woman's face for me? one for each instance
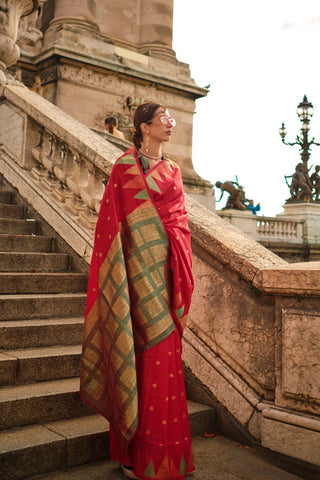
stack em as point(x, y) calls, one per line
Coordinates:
point(160, 129)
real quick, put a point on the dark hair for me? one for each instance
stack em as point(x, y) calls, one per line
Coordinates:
point(143, 114)
point(112, 122)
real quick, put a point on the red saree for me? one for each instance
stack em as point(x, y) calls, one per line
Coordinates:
point(139, 294)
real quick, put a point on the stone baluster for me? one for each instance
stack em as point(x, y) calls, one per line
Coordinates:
point(62, 171)
point(92, 196)
point(10, 13)
point(50, 159)
point(156, 24)
point(38, 152)
point(76, 182)
point(292, 229)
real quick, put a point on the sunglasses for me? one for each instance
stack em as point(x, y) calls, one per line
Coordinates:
point(166, 120)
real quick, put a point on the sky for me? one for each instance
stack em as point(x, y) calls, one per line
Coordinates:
point(260, 59)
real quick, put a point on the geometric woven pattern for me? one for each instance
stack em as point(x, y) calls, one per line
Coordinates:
point(146, 253)
point(137, 260)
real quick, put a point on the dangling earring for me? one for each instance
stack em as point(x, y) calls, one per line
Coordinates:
point(147, 142)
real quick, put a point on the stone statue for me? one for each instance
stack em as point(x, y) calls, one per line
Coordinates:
point(301, 186)
point(29, 36)
point(10, 13)
point(237, 198)
point(315, 181)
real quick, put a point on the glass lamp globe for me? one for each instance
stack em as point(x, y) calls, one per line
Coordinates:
point(282, 131)
point(305, 109)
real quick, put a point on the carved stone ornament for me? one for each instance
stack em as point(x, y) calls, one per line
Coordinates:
point(10, 13)
point(29, 36)
point(86, 76)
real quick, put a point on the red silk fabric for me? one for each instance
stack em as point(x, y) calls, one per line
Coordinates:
point(122, 322)
point(161, 447)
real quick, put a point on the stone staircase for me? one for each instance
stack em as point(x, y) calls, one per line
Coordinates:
point(45, 426)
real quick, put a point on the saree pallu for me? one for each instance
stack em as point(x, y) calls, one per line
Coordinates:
point(139, 294)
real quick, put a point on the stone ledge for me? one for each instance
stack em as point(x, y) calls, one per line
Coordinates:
point(106, 56)
point(227, 243)
point(292, 279)
point(75, 134)
point(283, 416)
point(267, 272)
point(292, 435)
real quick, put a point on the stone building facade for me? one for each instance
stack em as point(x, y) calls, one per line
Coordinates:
point(98, 58)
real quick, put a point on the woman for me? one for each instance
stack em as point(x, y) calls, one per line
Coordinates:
point(139, 293)
point(111, 125)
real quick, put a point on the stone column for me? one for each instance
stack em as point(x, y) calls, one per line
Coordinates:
point(75, 14)
point(156, 24)
point(10, 13)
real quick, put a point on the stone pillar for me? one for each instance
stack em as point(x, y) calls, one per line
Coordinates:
point(309, 214)
point(156, 24)
point(75, 14)
point(10, 13)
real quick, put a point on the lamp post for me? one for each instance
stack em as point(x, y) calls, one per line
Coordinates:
point(303, 188)
point(304, 112)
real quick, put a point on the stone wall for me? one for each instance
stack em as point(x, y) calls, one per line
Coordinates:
point(253, 336)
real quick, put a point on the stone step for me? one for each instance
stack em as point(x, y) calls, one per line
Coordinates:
point(15, 226)
point(39, 364)
point(215, 458)
point(43, 282)
point(34, 262)
point(26, 243)
point(6, 196)
point(22, 405)
point(40, 333)
point(12, 211)
point(65, 444)
point(54, 446)
point(21, 307)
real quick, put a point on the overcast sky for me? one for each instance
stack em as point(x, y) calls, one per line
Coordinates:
point(260, 59)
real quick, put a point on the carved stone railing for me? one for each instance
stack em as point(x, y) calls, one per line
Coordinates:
point(69, 176)
point(60, 159)
point(265, 228)
point(273, 228)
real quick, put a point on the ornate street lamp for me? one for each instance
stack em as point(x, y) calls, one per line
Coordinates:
point(303, 188)
point(304, 112)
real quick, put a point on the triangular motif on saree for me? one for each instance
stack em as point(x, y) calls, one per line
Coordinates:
point(127, 160)
point(183, 466)
point(149, 471)
point(134, 170)
point(152, 184)
point(132, 183)
point(143, 195)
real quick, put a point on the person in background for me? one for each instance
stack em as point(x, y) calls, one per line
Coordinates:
point(139, 294)
point(111, 125)
point(252, 208)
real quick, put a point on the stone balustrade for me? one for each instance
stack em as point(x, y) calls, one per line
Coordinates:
point(285, 230)
point(69, 176)
point(58, 157)
point(262, 228)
